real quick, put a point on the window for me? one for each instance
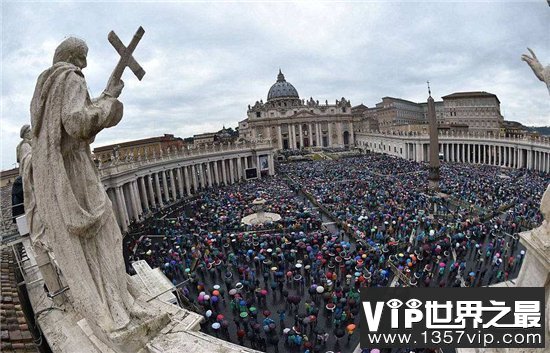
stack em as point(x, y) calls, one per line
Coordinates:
point(258, 114)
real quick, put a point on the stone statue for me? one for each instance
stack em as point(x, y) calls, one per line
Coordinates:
point(542, 73)
point(542, 234)
point(35, 224)
point(71, 200)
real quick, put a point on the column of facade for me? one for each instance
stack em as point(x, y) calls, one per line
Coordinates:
point(329, 134)
point(456, 148)
point(483, 153)
point(231, 171)
point(111, 192)
point(173, 184)
point(271, 164)
point(310, 134)
point(456, 154)
point(279, 137)
point(193, 178)
point(187, 180)
point(224, 172)
point(159, 191)
point(319, 134)
point(210, 173)
point(130, 205)
point(216, 173)
point(463, 152)
point(292, 136)
point(132, 198)
point(180, 182)
point(152, 201)
point(138, 198)
point(122, 208)
point(301, 134)
point(144, 199)
point(258, 165)
point(239, 168)
point(351, 135)
point(165, 186)
point(200, 173)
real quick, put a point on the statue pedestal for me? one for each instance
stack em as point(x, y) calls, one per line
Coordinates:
point(169, 329)
point(535, 272)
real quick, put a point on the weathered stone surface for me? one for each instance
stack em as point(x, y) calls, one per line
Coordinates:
point(542, 73)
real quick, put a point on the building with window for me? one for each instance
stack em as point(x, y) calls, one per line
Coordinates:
point(479, 110)
point(293, 123)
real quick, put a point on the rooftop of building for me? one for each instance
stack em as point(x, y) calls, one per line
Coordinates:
point(145, 141)
point(472, 94)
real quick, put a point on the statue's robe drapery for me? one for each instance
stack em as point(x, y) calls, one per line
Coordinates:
point(73, 204)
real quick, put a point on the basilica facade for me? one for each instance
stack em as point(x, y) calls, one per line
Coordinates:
point(293, 123)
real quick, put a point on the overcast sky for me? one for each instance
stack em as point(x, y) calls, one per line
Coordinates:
point(206, 62)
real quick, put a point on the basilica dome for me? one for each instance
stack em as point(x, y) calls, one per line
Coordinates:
point(282, 89)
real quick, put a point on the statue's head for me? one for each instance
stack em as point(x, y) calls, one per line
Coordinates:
point(25, 132)
point(72, 50)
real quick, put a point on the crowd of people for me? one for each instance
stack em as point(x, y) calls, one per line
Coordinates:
point(293, 285)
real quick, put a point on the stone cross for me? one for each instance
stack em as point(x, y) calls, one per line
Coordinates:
point(126, 58)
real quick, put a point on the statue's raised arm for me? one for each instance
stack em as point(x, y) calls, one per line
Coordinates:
point(542, 73)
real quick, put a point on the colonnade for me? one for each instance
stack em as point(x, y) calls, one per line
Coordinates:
point(516, 153)
point(151, 187)
point(310, 134)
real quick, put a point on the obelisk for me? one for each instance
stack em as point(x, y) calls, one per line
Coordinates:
point(433, 176)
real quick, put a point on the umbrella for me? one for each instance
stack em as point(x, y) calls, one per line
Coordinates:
point(219, 317)
point(266, 313)
point(216, 325)
point(350, 328)
point(233, 291)
point(244, 314)
point(320, 289)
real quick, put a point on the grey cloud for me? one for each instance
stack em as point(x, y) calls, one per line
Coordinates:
point(206, 62)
